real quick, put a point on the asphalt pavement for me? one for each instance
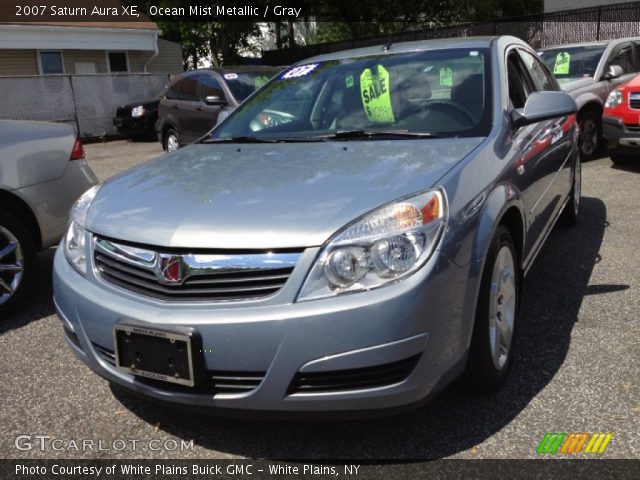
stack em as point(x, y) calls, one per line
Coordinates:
point(577, 365)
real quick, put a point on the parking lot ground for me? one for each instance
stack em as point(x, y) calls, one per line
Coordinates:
point(108, 158)
point(577, 367)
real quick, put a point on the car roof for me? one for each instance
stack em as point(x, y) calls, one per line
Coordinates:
point(600, 43)
point(236, 69)
point(404, 47)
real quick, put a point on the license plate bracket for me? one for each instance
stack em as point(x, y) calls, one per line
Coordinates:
point(169, 355)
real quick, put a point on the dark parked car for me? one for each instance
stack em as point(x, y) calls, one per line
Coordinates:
point(589, 72)
point(137, 119)
point(192, 103)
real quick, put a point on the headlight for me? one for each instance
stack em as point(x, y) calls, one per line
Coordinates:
point(383, 246)
point(614, 99)
point(137, 111)
point(75, 239)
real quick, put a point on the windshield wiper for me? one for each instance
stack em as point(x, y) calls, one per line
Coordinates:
point(240, 139)
point(355, 134)
point(250, 139)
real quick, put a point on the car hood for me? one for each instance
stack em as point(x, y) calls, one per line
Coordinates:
point(574, 84)
point(242, 196)
point(145, 102)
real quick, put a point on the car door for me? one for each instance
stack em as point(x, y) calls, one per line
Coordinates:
point(539, 159)
point(186, 111)
point(561, 130)
point(207, 115)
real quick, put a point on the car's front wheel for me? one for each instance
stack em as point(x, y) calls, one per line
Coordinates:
point(494, 330)
point(17, 262)
point(171, 141)
point(590, 135)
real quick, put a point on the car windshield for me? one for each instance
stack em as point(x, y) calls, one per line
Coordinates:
point(243, 84)
point(417, 94)
point(569, 63)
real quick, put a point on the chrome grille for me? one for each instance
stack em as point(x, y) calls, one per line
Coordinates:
point(177, 276)
point(634, 100)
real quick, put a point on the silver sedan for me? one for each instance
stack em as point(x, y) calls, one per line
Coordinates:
point(42, 172)
point(352, 237)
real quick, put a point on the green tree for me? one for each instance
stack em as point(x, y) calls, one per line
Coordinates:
point(204, 37)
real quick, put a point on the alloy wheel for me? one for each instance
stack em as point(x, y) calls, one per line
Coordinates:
point(588, 137)
point(172, 143)
point(11, 265)
point(502, 307)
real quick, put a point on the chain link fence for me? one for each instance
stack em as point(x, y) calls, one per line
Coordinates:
point(553, 28)
point(87, 102)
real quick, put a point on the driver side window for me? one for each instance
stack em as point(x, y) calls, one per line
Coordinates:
point(519, 86)
point(623, 58)
point(541, 78)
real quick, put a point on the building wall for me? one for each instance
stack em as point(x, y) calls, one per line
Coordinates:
point(169, 59)
point(25, 61)
point(558, 5)
point(18, 62)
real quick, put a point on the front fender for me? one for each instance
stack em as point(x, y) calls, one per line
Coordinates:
point(583, 99)
point(496, 203)
point(499, 200)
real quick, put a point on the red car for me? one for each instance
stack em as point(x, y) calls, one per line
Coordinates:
point(621, 122)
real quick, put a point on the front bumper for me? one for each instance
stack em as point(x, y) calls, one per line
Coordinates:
point(136, 126)
point(621, 137)
point(420, 317)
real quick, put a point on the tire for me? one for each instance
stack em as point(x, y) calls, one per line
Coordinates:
point(590, 137)
point(17, 263)
point(171, 140)
point(569, 216)
point(491, 352)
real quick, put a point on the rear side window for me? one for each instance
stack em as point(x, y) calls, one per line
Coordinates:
point(188, 89)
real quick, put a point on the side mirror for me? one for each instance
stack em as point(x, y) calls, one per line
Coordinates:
point(542, 106)
point(614, 71)
point(214, 100)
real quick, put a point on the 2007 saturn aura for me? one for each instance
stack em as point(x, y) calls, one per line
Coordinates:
point(353, 237)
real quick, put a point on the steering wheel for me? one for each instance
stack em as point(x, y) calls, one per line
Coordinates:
point(457, 109)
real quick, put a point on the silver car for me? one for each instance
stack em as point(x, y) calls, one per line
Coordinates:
point(589, 72)
point(353, 237)
point(42, 173)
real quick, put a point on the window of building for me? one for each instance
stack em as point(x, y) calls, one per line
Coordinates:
point(51, 62)
point(117, 62)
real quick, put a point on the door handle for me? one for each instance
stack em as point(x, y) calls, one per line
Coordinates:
point(175, 107)
point(199, 109)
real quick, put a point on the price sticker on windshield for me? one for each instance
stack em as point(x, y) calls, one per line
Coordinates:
point(561, 67)
point(300, 71)
point(376, 99)
point(261, 81)
point(446, 77)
